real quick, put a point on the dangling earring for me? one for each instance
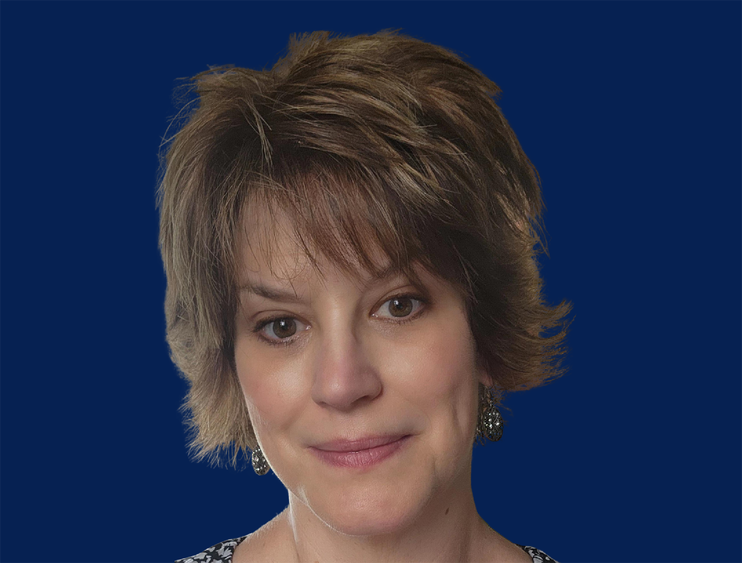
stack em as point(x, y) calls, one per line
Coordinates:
point(259, 463)
point(490, 421)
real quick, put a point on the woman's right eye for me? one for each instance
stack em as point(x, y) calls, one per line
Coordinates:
point(283, 328)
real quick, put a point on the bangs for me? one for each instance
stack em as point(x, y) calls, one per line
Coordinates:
point(347, 213)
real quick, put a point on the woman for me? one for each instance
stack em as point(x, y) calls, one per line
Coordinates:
point(352, 289)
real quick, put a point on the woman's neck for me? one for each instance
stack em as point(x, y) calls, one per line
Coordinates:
point(448, 529)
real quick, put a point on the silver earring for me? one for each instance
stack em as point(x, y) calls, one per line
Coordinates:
point(490, 421)
point(259, 463)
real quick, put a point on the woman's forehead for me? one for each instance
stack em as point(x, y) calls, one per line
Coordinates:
point(269, 248)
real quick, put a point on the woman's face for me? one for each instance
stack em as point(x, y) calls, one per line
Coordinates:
point(346, 360)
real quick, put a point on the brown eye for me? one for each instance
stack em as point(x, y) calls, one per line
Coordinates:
point(283, 328)
point(400, 306)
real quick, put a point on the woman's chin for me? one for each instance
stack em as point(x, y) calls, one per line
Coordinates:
point(366, 513)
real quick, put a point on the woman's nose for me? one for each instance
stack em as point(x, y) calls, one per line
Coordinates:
point(344, 373)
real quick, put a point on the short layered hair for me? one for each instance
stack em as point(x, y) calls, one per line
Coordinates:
point(378, 141)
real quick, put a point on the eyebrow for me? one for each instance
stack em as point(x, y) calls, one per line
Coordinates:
point(291, 297)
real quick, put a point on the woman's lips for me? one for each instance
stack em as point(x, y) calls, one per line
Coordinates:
point(358, 444)
point(362, 453)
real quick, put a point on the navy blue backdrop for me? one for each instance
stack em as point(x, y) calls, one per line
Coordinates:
point(629, 110)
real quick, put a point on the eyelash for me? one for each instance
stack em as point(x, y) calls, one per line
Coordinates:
point(265, 322)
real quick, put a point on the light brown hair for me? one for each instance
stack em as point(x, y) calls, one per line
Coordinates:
point(373, 141)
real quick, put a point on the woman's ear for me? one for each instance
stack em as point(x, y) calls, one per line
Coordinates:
point(484, 376)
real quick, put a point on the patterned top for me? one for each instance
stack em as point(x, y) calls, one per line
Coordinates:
point(222, 553)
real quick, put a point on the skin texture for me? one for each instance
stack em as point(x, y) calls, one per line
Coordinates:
point(353, 370)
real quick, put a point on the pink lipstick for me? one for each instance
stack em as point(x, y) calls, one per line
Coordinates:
point(365, 452)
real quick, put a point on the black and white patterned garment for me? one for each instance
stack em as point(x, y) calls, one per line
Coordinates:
point(222, 553)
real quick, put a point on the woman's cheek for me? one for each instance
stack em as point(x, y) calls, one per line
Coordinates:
point(451, 390)
point(447, 360)
point(271, 392)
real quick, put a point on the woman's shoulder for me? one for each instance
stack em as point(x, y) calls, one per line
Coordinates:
point(259, 545)
point(537, 555)
point(219, 553)
point(222, 553)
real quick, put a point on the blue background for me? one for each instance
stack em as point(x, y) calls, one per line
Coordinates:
point(629, 110)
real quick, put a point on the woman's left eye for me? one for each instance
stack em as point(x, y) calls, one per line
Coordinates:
point(402, 307)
